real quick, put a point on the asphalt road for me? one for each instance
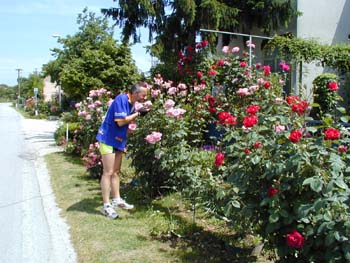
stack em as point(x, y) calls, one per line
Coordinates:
point(31, 229)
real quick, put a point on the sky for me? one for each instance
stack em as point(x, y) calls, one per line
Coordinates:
point(27, 28)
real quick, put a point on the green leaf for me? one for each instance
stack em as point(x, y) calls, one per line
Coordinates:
point(315, 183)
point(340, 183)
point(256, 159)
point(236, 204)
point(273, 218)
point(304, 210)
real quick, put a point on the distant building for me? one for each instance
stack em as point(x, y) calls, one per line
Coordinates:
point(50, 90)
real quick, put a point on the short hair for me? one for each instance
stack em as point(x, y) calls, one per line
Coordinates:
point(137, 87)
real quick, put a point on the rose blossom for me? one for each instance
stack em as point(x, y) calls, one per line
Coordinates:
point(271, 191)
point(333, 86)
point(199, 74)
point(235, 49)
point(246, 151)
point(250, 44)
point(172, 91)
point(177, 113)
point(278, 100)
point(212, 73)
point(267, 70)
point(295, 136)
point(138, 106)
point(153, 137)
point(284, 66)
point(242, 64)
point(279, 128)
point(219, 159)
point(220, 62)
point(342, 148)
point(257, 144)
point(243, 92)
point(155, 93)
point(169, 103)
point(132, 126)
point(331, 134)
point(253, 88)
point(267, 84)
point(250, 121)
point(225, 49)
point(227, 118)
point(253, 109)
point(295, 239)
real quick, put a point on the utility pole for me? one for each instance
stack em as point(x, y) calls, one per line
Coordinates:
point(19, 85)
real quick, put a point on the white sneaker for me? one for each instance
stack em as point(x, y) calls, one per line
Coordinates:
point(109, 212)
point(121, 204)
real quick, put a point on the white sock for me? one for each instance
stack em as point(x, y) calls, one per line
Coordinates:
point(117, 199)
point(106, 204)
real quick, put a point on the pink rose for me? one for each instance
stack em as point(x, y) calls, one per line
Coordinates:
point(132, 126)
point(169, 103)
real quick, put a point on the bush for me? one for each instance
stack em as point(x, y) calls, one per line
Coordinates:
point(325, 93)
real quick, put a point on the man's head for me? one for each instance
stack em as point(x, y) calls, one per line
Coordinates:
point(138, 92)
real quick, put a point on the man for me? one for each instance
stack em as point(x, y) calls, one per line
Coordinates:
point(112, 136)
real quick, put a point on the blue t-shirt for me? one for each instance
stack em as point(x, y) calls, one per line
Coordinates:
point(109, 132)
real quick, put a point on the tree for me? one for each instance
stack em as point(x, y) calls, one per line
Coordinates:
point(175, 24)
point(91, 59)
point(34, 80)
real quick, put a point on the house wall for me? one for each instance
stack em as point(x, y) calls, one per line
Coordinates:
point(50, 89)
point(328, 22)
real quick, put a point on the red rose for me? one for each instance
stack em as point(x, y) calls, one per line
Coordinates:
point(220, 62)
point(212, 73)
point(246, 151)
point(212, 110)
point(295, 239)
point(300, 108)
point(333, 86)
point(205, 43)
point(331, 134)
point(252, 109)
point(291, 100)
point(257, 144)
point(219, 159)
point(242, 64)
point(271, 191)
point(227, 118)
point(199, 74)
point(250, 121)
point(267, 84)
point(295, 136)
point(267, 70)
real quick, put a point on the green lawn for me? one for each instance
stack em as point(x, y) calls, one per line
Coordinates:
point(159, 230)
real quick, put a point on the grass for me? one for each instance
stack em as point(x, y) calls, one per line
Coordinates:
point(160, 230)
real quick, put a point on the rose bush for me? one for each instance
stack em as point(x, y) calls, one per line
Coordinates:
point(280, 178)
point(286, 181)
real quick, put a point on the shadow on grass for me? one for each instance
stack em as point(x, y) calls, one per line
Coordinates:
point(88, 205)
point(191, 242)
point(196, 244)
